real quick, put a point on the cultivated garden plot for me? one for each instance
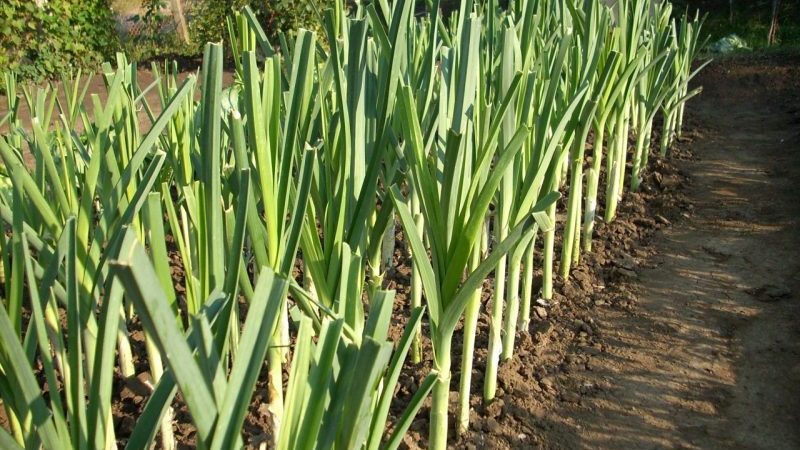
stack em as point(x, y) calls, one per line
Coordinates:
point(362, 237)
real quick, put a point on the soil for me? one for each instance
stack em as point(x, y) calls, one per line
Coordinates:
point(679, 330)
point(96, 85)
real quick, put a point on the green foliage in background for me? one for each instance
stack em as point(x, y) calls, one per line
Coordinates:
point(39, 42)
point(289, 15)
point(751, 20)
point(207, 21)
point(157, 34)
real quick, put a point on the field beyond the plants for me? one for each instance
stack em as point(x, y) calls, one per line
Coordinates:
point(555, 225)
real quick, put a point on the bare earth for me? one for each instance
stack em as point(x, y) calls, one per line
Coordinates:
point(710, 356)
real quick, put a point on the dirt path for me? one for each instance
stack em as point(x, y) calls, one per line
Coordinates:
point(710, 357)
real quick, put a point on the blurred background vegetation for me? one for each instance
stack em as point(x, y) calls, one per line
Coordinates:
point(749, 19)
point(40, 39)
point(150, 29)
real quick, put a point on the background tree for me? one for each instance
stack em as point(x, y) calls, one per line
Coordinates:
point(772, 37)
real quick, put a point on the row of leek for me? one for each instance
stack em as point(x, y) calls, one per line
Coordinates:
point(254, 223)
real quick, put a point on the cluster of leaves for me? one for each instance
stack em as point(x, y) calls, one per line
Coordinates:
point(38, 42)
point(156, 34)
point(154, 22)
point(290, 14)
point(207, 19)
point(207, 23)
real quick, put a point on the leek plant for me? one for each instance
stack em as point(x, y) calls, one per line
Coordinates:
point(588, 55)
point(85, 367)
point(633, 18)
point(276, 152)
point(652, 89)
point(609, 108)
point(531, 184)
point(422, 68)
point(355, 135)
point(11, 120)
point(339, 392)
point(455, 215)
point(218, 399)
point(109, 165)
point(305, 162)
point(687, 42)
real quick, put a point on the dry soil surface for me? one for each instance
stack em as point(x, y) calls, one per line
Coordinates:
point(709, 358)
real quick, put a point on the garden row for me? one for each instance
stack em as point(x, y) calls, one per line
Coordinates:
point(275, 200)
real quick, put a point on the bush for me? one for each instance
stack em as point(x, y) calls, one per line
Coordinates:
point(154, 34)
point(157, 35)
point(38, 42)
point(207, 22)
point(289, 15)
point(207, 19)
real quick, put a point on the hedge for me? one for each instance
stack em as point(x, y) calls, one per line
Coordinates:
point(38, 42)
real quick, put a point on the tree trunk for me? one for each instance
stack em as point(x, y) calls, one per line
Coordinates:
point(180, 19)
point(730, 16)
point(773, 27)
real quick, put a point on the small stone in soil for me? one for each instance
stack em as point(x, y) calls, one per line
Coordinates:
point(662, 220)
point(126, 425)
point(581, 276)
point(570, 397)
point(411, 441)
point(492, 426)
point(495, 408)
point(770, 293)
point(538, 412)
point(540, 312)
point(263, 410)
point(583, 328)
point(591, 351)
point(622, 272)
